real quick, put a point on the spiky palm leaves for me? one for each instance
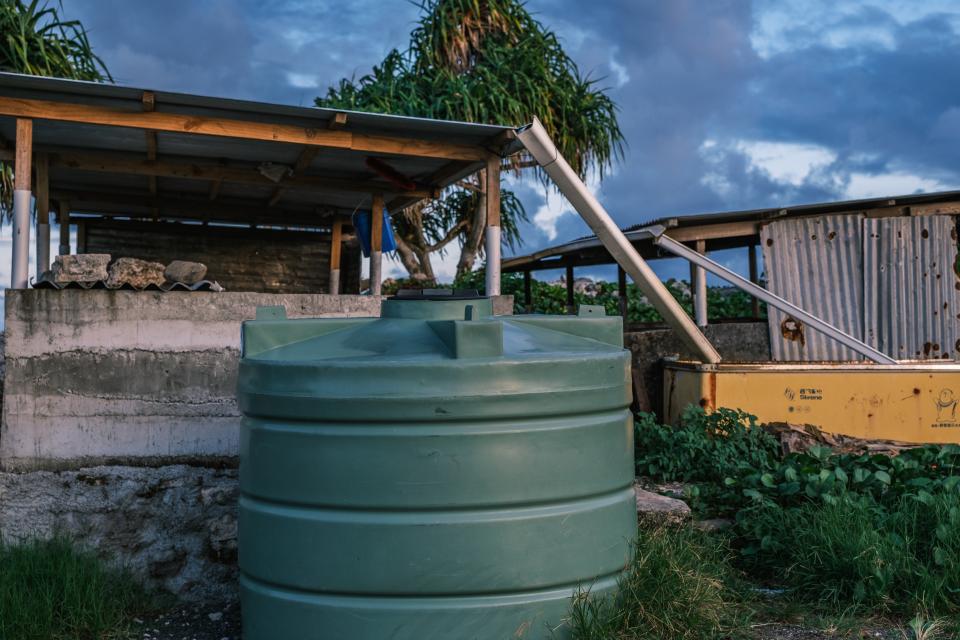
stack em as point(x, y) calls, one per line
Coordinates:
point(488, 61)
point(35, 40)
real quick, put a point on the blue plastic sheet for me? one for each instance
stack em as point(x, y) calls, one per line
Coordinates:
point(361, 222)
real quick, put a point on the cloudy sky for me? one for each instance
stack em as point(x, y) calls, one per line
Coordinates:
point(725, 104)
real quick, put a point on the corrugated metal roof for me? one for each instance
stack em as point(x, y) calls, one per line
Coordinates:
point(293, 205)
point(911, 304)
point(815, 263)
point(712, 221)
point(101, 93)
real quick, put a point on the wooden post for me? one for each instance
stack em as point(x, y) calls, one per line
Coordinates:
point(700, 295)
point(64, 219)
point(335, 240)
point(21, 205)
point(570, 303)
point(622, 292)
point(527, 292)
point(492, 237)
point(376, 244)
point(754, 277)
point(43, 214)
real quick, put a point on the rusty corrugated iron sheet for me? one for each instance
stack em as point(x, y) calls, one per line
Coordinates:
point(817, 264)
point(911, 297)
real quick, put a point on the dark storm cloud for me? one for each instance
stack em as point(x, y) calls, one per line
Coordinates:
point(271, 50)
point(872, 92)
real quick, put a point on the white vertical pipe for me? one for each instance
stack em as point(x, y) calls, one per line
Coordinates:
point(21, 239)
point(700, 289)
point(334, 282)
point(376, 268)
point(492, 250)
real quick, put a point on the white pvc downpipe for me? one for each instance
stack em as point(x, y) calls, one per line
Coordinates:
point(492, 249)
point(541, 147)
point(20, 266)
point(658, 233)
point(335, 282)
point(376, 269)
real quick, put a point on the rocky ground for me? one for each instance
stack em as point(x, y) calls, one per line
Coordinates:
point(190, 622)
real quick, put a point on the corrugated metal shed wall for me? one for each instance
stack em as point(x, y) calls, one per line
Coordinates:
point(911, 303)
point(817, 264)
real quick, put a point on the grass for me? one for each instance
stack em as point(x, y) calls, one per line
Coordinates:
point(679, 585)
point(50, 590)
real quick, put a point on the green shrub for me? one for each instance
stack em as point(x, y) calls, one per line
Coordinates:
point(49, 590)
point(680, 584)
point(705, 447)
point(864, 532)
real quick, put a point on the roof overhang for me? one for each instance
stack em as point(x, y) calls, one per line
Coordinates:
point(116, 150)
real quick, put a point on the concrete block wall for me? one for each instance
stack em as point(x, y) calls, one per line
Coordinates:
point(736, 341)
point(125, 377)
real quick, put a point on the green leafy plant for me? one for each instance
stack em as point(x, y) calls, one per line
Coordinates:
point(36, 40)
point(486, 61)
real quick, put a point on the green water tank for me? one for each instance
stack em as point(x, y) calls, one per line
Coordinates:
point(437, 473)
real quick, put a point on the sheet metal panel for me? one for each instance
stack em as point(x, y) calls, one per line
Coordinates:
point(911, 302)
point(817, 264)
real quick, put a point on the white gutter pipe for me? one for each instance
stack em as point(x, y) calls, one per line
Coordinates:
point(658, 233)
point(534, 137)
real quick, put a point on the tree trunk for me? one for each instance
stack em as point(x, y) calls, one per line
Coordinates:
point(471, 248)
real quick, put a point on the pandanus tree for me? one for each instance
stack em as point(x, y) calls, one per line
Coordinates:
point(486, 61)
point(35, 40)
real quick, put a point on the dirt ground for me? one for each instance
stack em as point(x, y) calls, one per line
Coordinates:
point(191, 622)
point(207, 622)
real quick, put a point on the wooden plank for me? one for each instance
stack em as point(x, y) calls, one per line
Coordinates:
point(335, 239)
point(493, 191)
point(112, 203)
point(214, 189)
point(133, 164)
point(24, 154)
point(229, 128)
point(338, 121)
point(376, 223)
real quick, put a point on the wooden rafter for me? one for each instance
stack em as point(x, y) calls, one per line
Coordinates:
point(302, 164)
point(112, 204)
point(230, 128)
point(134, 164)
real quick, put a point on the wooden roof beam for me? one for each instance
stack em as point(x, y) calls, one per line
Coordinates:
point(243, 129)
point(198, 209)
point(304, 160)
point(134, 164)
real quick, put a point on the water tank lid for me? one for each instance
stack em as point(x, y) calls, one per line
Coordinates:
point(437, 294)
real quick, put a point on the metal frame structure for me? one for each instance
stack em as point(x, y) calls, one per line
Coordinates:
point(534, 137)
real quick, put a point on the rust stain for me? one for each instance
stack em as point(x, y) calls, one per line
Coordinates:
point(924, 234)
point(793, 330)
point(927, 346)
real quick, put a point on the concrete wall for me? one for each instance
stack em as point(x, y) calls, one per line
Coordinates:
point(736, 341)
point(125, 377)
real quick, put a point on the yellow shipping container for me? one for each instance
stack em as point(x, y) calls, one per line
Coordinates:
point(910, 401)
